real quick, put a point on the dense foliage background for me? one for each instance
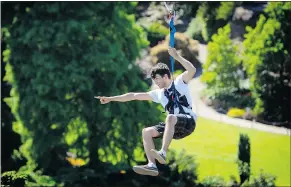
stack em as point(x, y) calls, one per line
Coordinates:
point(56, 56)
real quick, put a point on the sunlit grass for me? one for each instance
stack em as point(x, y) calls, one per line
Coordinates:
point(215, 146)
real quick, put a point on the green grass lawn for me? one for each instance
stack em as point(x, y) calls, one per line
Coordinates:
point(215, 147)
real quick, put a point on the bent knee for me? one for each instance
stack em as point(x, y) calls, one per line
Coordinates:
point(172, 119)
point(150, 131)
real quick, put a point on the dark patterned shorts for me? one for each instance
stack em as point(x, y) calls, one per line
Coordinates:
point(184, 127)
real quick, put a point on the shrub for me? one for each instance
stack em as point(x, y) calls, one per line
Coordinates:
point(159, 29)
point(213, 16)
point(210, 181)
point(12, 178)
point(180, 171)
point(233, 182)
point(183, 169)
point(225, 10)
point(194, 29)
point(263, 180)
point(236, 112)
point(156, 32)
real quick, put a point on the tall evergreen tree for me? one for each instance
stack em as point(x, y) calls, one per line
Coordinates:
point(59, 55)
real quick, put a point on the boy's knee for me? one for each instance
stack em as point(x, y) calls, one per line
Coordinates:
point(148, 132)
point(171, 119)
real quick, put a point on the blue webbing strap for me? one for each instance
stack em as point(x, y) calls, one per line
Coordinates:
point(172, 40)
point(172, 33)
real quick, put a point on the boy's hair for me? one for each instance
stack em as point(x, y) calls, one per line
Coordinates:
point(161, 69)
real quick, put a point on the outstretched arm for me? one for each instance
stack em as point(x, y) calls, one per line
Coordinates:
point(125, 97)
point(190, 69)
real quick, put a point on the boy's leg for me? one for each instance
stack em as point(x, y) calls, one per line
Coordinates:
point(147, 135)
point(177, 126)
point(171, 121)
point(150, 169)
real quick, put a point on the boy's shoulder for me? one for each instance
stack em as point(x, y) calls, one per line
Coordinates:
point(179, 80)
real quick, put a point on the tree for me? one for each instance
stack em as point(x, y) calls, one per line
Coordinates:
point(206, 14)
point(59, 55)
point(209, 18)
point(244, 158)
point(220, 70)
point(10, 140)
point(267, 61)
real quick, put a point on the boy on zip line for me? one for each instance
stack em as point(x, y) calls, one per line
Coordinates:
point(174, 95)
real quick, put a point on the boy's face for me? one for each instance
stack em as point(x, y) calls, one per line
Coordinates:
point(160, 80)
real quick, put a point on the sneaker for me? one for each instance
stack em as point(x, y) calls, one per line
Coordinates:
point(159, 156)
point(146, 170)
